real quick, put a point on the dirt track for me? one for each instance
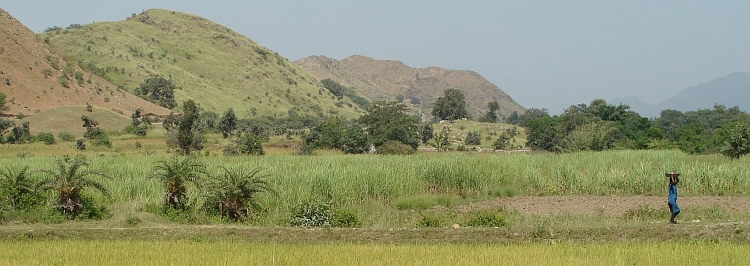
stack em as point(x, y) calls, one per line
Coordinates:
point(612, 205)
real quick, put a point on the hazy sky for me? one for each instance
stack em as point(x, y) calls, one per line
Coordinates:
point(544, 54)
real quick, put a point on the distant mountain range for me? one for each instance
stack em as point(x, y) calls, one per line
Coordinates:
point(732, 90)
point(387, 80)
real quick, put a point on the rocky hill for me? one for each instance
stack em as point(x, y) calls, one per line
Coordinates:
point(211, 64)
point(36, 77)
point(420, 87)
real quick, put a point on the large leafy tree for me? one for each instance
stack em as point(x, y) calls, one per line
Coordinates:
point(451, 106)
point(185, 126)
point(175, 175)
point(491, 116)
point(228, 123)
point(738, 143)
point(389, 121)
point(233, 192)
point(158, 90)
point(69, 180)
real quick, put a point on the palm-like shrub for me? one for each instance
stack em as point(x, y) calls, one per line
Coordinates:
point(69, 179)
point(15, 185)
point(232, 193)
point(175, 174)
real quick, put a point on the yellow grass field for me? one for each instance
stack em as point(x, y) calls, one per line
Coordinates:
point(128, 252)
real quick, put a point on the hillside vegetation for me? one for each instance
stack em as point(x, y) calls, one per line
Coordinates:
point(211, 64)
point(68, 119)
point(389, 80)
point(36, 77)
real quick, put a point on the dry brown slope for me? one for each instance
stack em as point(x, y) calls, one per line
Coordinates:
point(24, 58)
point(384, 79)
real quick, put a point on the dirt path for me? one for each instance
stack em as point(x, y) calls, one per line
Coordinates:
point(611, 205)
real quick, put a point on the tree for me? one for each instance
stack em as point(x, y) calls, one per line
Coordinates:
point(3, 107)
point(228, 123)
point(355, 140)
point(491, 116)
point(20, 134)
point(175, 174)
point(531, 114)
point(233, 192)
point(138, 126)
point(158, 90)
point(473, 138)
point(185, 134)
point(738, 143)
point(503, 141)
point(246, 143)
point(427, 131)
point(442, 139)
point(5, 126)
point(513, 118)
point(542, 133)
point(389, 121)
point(451, 106)
point(16, 186)
point(97, 136)
point(327, 135)
point(69, 180)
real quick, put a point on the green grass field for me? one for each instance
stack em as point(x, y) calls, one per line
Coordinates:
point(129, 252)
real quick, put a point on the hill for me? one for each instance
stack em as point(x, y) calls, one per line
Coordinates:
point(36, 77)
point(211, 64)
point(68, 119)
point(420, 87)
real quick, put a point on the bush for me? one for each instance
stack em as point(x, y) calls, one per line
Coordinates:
point(81, 145)
point(486, 218)
point(245, 144)
point(66, 136)
point(423, 202)
point(45, 137)
point(393, 147)
point(345, 218)
point(473, 138)
point(312, 214)
point(430, 220)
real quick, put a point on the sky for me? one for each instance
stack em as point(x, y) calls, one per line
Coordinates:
point(544, 54)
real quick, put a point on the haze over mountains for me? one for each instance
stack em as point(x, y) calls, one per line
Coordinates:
point(732, 90)
point(35, 77)
point(385, 79)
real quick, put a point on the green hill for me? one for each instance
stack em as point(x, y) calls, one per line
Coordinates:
point(68, 119)
point(213, 65)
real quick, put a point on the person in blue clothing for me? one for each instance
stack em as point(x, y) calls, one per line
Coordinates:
point(672, 197)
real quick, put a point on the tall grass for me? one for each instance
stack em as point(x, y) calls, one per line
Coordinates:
point(129, 252)
point(346, 180)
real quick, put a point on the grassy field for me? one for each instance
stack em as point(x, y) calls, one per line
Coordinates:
point(128, 252)
point(68, 119)
point(406, 206)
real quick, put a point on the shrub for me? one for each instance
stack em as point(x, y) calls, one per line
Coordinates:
point(345, 218)
point(644, 212)
point(45, 137)
point(473, 138)
point(81, 145)
point(66, 136)
point(245, 144)
point(423, 202)
point(312, 214)
point(429, 220)
point(393, 147)
point(486, 218)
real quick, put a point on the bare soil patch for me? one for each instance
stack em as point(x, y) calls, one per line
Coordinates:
point(610, 205)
